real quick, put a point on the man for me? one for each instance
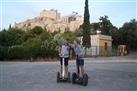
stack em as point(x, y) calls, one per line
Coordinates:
point(64, 53)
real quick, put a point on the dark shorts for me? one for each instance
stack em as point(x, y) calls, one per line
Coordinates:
point(80, 62)
point(65, 61)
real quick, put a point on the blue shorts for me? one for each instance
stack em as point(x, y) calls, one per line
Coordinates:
point(80, 62)
point(65, 61)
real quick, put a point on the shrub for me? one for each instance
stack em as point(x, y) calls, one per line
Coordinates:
point(17, 52)
point(33, 47)
point(3, 52)
point(49, 48)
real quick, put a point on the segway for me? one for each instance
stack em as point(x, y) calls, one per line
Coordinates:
point(77, 80)
point(61, 77)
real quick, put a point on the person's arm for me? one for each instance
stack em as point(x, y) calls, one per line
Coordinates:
point(71, 45)
point(59, 50)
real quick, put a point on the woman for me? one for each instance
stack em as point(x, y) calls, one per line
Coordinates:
point(79, 58)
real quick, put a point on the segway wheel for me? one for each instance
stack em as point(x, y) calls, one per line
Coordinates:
point(69, 77)
point(85, 80)
point(74, 76)
point(58, 77)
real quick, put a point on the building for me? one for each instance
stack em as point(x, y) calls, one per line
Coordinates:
point(52, 14)
point(52, 21)
point(101, 45)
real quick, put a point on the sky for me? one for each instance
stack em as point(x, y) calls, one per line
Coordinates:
point(118, 11)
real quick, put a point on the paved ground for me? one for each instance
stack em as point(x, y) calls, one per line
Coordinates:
point(105, 74)
point(41, 76)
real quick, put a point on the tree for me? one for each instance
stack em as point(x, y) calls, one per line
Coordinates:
point(86, 27)
point(10, 26)
point(3, 37)
point(116, 35)
point(129, 34)
point(16, 36)
point(3, 52)
point(55, 32)
point(105, 25)
point(95, 27)
point(33, 47)
point(50, 48)
point(34, 32)
point(69, 35)
point(46, 36)
point(12, 36)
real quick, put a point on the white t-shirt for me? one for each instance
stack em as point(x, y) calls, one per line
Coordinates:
point(64, 51)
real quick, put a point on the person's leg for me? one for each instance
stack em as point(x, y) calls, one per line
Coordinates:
point(81, 73)
point(78, 69)
point(81, 67)
point(66, 66)
point(82, 70)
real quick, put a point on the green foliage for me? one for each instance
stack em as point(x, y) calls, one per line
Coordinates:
point(46, 36)
point(58, 39)
point(107, 28)
point(3, 38)
point(17, 52)
point(37, 42)
point(34, 32)
point(11, 37)
point(50, 48)
point(105, 25)
point(129, 34)
point(86, 13)
point(17, 44)
point(55, 32)
point(3, 52)
point(86, 27)
point(69, 35)
point(86, 36)
point(79, 32)
point(116, 36)
point(33, 47)
point(95, 27)
point(126, 35)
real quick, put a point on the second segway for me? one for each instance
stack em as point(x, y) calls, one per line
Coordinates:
point(77, 79)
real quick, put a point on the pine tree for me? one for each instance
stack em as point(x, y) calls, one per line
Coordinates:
point(86, 27)
point(10, 26)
